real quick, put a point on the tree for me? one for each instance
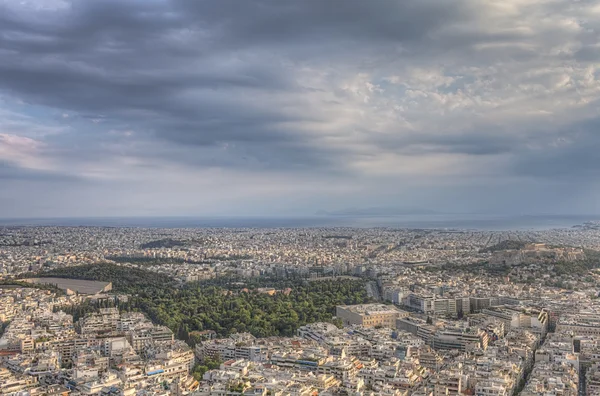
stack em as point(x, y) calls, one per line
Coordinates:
point(220, 304)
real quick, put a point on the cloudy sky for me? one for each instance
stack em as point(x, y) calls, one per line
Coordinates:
point(254, 107)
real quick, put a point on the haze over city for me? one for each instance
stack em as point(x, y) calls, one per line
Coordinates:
point(138, 108)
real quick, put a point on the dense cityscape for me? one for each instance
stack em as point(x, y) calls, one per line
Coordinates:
point(299, 198)
point(330, 311)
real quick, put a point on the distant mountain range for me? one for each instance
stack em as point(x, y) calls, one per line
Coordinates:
point(377, 211)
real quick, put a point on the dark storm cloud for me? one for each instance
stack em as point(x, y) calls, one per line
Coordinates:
point(305, 89)
point(194, 72)
point(260, 22)
point(106, 58)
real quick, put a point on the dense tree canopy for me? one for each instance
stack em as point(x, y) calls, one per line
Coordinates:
point(225, 305)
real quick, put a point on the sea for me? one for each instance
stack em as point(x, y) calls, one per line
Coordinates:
point(445, 222)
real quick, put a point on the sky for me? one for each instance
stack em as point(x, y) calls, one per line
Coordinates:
point(280, 107)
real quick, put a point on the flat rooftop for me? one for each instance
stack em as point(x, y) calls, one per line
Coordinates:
point(370, 309)
point(76, 285)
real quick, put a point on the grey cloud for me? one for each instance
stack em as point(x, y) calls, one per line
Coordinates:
point(108, 62)
point(572, 155)
point(588, 54)
point(11, 172)
point(477, 142)
point(272, 21)
point(237, 84)
point(134, 61)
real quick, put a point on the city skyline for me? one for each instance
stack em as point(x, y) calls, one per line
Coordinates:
point(176, 108)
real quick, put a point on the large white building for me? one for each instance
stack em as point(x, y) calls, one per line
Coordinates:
point(370, 315)
point(516, 318)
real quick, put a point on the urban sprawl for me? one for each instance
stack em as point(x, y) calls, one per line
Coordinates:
point(129, 311)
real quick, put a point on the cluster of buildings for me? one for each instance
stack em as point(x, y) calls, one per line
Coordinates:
point(196, 254)
point(43, 351)
point(363, 360)
point(497, 351)
point(321, 360)
point(446, 324)
point(536, 253)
